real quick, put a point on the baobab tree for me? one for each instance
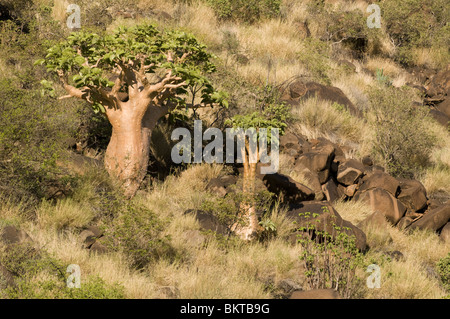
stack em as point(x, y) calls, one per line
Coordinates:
point(135, 76)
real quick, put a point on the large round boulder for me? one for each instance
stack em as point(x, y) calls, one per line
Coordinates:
point(413, 194)
point(380, 180)
point(382, 201)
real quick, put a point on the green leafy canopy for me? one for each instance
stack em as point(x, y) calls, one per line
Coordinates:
point(91, 60)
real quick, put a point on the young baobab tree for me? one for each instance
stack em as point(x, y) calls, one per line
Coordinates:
point(134, 76)
point(271, 114)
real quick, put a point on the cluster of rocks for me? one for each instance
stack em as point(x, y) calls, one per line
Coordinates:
point(331, 177)
point(403, 202)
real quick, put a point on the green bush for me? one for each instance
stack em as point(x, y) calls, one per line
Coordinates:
point(443, 268)
point(138, 233)
point(330, 260)
point(33, 132)
point(315, 56)
point(247, 11)
point(337, 24)
point(402, 141)
point(38, 275)
point(227, 209)
point(413, 23)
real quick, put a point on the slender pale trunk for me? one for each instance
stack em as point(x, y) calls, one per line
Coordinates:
point(247, 207)
point(128, 151)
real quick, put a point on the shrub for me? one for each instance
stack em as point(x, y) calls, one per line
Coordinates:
point(247, 11)
point(338, 25)
point(137, 232)
point(314, 56)
point(443, 268)
point(33, 132)
point(401, 141)
point(411, 24)
point(227, 209)
point(38, 275)
point(330, 261)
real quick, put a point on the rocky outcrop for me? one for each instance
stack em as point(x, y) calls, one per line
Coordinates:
point(383, 202)
point(402, 202)
point(330, 177)
point(299, 90)
point(13, 235)
point(445, 233)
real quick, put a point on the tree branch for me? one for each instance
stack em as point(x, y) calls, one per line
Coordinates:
point(73, 91)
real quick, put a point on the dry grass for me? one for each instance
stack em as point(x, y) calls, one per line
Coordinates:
point(413, 276)
point(243, 270)
point(407, 278)
point(67, 213)
point(112, 268)
point(436, 178)
point(206, 272)
point(322, 116)
point(388, 67)
point(12, 212)
point(434, 58)
point(354, 86)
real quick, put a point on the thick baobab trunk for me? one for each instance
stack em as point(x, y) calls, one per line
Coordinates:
point(128, 151)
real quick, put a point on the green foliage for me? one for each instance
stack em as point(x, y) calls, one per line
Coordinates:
point(413, 23)
point(270, 113)
point(33, 131)
point(228, 209)
point(38, 275)
point(330, 260)
point(137, 232)
point(269, 229)
point(315, 56)
point(443, 268)
point(246, 11)
point(381, 78)
point(225, 209)
point(230, 42)
point(401, 142)
point(337, 24)
point(89, 60)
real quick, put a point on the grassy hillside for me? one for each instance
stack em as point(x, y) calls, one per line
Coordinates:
point(53, 185)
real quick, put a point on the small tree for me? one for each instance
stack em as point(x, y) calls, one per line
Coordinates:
point(134, 76)
point(271, 114)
